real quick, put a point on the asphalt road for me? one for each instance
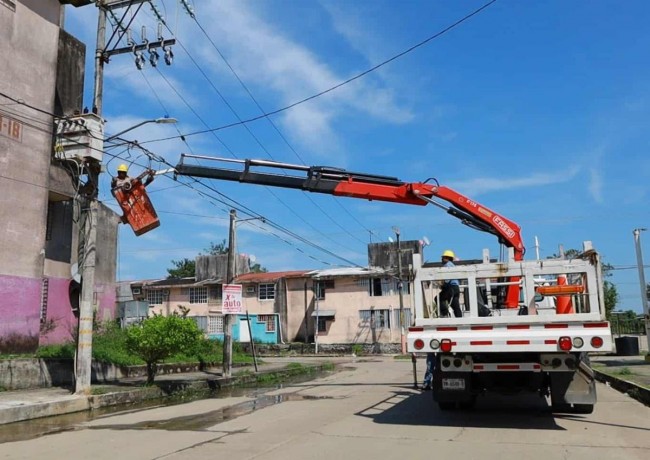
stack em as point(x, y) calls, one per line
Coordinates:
point(368, 410)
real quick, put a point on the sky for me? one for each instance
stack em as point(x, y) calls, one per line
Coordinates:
point(537, 110)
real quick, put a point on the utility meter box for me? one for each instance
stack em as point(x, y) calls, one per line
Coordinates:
point(80, 137)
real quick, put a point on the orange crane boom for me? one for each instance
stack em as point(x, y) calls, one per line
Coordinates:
point(340, 182)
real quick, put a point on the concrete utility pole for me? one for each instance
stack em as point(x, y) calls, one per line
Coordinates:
point(642, 284)
point(400, 286)
point(89, 222)
point(230, 275)
point(90, 209)
point(316, 294)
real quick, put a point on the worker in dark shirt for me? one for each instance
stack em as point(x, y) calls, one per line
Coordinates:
point(450, 294)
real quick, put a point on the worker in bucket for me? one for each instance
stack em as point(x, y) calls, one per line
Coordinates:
point(124, 182)
point(450, 293)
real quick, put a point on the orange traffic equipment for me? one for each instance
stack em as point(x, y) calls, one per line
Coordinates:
point(137, 207)
point(561, 289)
point(563, 303)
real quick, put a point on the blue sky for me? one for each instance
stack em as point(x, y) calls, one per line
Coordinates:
point(538, 110)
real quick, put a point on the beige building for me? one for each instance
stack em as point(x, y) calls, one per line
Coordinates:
point(348, 305)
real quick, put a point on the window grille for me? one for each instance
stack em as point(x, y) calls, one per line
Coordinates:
point(199, 295)
point(267, 291)
point(155, 296)
point(269, 320)
point(215, 324)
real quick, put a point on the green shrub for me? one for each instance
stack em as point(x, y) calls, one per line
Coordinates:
point(56, 351)
point(161, 337)
point(109, 346)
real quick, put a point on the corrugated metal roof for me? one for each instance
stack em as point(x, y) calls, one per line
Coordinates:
point(347, 271)
point(269, 276)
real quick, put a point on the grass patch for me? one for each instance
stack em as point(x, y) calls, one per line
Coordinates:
point(328, 366)
point(99, 390)
point(624, 371)
point(406, 356)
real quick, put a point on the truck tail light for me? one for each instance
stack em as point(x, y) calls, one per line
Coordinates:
point(434, 344)
point(565, 343)
point(578, 342)
point(446, 345)
point(418, 344)
point(596, 342)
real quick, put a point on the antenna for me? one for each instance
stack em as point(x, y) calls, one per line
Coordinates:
point(425, 241)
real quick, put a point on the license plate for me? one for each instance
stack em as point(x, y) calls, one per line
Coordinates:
point(453, 384)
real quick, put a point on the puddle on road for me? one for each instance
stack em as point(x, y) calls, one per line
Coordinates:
point(200, 422)
point(30, 429)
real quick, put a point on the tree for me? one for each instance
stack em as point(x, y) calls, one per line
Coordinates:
point(219, 248)
point(257, 268)
point(184, 268)
point(160, 337)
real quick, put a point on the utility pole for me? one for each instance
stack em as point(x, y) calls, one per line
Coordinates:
point(642, 284)
point(89, 225)
point(230, 275)
point(316, 295)
point(400, 286)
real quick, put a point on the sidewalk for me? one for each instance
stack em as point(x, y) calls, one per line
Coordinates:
point(16, 406)
point(627, 374)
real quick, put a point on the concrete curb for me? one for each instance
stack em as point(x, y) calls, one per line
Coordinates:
point(633, 390)
point(30, 410)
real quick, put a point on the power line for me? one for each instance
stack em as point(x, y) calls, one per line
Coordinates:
point(343, 83)
point(282, 136)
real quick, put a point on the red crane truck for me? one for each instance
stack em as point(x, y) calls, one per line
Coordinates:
point(526, 325)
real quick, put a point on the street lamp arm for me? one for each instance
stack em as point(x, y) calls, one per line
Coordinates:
point(164, 120)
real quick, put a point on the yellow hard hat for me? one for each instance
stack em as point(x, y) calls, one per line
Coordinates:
point(449, 254)
point(123, 168)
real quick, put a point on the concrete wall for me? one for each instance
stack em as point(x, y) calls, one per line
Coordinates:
point(29, 46)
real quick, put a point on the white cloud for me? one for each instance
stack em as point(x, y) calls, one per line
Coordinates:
point(265, 56)
point(596, 185)
point(481, 185)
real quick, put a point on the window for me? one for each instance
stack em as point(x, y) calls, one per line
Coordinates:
point(215, 292)
point(267, 291)
point(201, 322)
point(215, 324)
point(199, 295)
point(322, 324)
point(375, 287)
point(407, 318)
point(269, 320)
point(58, 231)
point(321, 286)
point(155, 296)
point(375, 319)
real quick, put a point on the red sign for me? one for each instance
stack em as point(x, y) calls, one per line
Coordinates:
point(231, 303)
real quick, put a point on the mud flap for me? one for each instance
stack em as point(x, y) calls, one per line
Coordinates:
point(452, 387)
point(578, 387)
